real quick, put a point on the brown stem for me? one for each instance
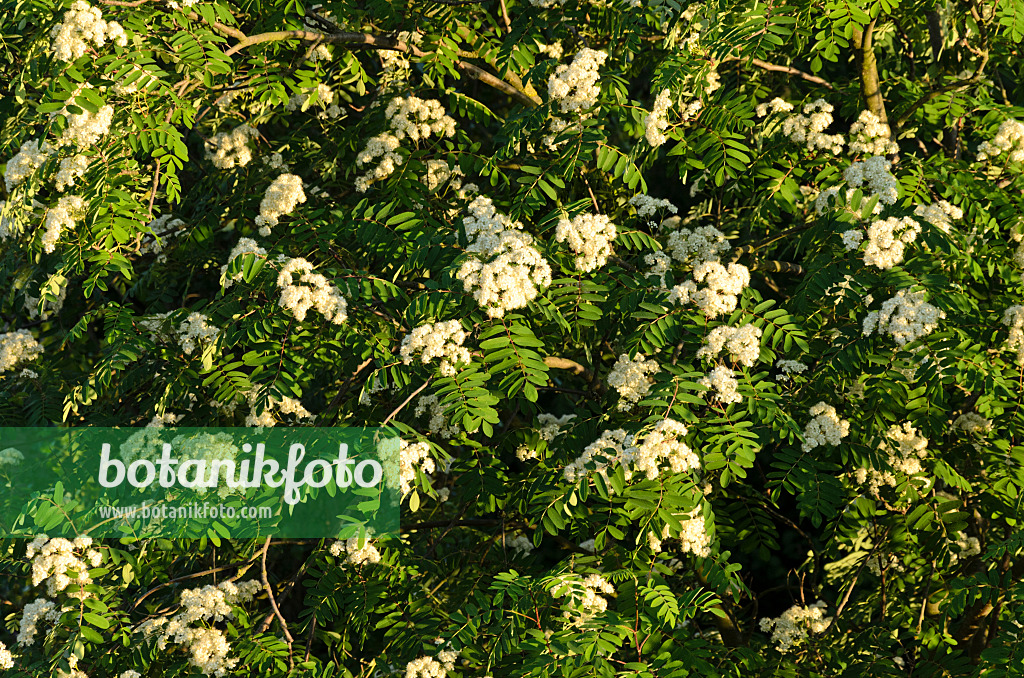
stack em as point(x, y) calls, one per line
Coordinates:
point(785, 69)
point(273, 603)
point(380, 42)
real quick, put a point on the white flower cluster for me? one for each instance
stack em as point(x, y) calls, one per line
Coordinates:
point(18, 347)
point(723, 382)
point(660, 264)
point(506, 269)
point(208, 647)
point(551, 426)
point(521, 544)
point(887, 241)
point(70, 169)
point(6, 658)
point(646, 206)
point(630, 379)
point(789, 367)
point(972, 422)
point(85, 129)
point(874, 173)
point(655, 123)
point(165, 227)
point(53, 558)
point(694, 537)
point(1009, 139)
point(81, 25)
point(324, 95)
point(243, 246)
point(437, 423)
point(283, 404)
point(967, 547)
point(231, 149)
point(280, 199)
point(61, 217)
point(29, 158)
point(743, 343)
point(195, 331)
point(38, 610)
point(425, 667)
point(1013, 317)
point(554, 50)
point(409, 118)
point(870, 136)
point(796, 624)
point(907, 317)
point(574, 86)
point(807, 128)
point(590, 236)
point(824, 428)
point(438, 340)
point(356, 551)
point(439, 171)
point(905, 450)
point(315, 291)
point(940, 214)
point(413, 456)
point(649, 455)
point(11, 456)
point(701, 245)
point(582, 597)
point(722, 288)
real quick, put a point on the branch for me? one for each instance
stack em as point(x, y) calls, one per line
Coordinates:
point(784, 69)
point(404, 403)
point(273, 603)
point(967, 82)
point(869, 85)
point(369, 41)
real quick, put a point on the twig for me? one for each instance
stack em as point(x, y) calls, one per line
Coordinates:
point(785, 69)
point(370, 41)
point(152, 192)
point(404, 403)
point(273, 603)
point(504, 15)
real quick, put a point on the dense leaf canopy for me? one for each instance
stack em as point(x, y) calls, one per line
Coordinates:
point(701, 325)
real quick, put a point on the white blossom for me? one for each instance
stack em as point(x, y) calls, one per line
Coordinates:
point(590, 236)
point(231, 149)
point(887, 240)
point(313, 291)
point(796, 624)
point(356, 551)
point(1009, 140)
point(61, 217)
point(281, 198)
point(824, 428)
point(505, 270)
point(874, 174)
point(1013, 317)
point(906, 317)
point(81, 25)
point(631, 379)
point(723, 382)
point(439, 340)
point(655, 123)
point(18, 347)
point(30, 157)
point(574, 86)
point(742, 343)
point(646, 206)
point(870, 136)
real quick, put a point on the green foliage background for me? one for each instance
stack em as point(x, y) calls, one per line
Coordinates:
point(787, 527)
